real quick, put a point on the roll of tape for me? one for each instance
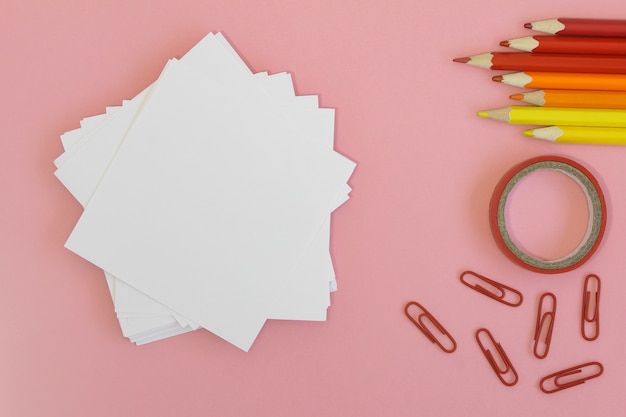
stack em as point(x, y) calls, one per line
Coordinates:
point(595, 228)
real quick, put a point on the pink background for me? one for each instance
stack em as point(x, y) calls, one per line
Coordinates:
point(417, 217)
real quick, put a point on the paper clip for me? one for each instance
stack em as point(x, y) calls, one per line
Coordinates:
point(590, 319)
point(506, 373)
point(418, 321)
point(541, 328)
point(497, 291)
point(561, 380)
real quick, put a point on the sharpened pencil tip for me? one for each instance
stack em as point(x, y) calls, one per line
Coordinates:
point(463, 60)
point(483, 113)
point(528, 133)
point(516, 96)
point(505, 43)
point(528, 25)
point(497, 78)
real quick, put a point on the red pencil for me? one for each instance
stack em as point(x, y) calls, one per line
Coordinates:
point(522, 61)
point(568, 45)
point(580, 27)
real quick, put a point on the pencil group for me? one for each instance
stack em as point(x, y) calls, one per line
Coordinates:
point(577, 72)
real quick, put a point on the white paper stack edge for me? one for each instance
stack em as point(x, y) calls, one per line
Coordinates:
point(207, 199)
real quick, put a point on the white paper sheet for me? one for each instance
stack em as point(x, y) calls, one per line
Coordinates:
point(226, 181)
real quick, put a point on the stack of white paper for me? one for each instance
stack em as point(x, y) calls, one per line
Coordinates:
point(208, 198)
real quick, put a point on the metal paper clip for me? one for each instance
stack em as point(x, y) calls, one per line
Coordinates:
point(544, 326)
point(501, 366)
point(493, 289)
point(419, 319)
point(563, 379)
point(590, 320)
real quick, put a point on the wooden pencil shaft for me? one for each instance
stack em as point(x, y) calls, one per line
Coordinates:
point(547, 116)
point(564, 80)
point(523, 61)
point(575, 98)
point(569, 45)
point(580, 27)
point(580, 134)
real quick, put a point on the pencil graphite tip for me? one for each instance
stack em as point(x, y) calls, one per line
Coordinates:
point(497, 78)
point(516, 96)
point(505, 43)
point(528, 133)
point(463, 60)
point(483, 113)
point(528, 25)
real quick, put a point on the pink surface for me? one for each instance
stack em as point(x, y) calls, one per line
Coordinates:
point(417, 218)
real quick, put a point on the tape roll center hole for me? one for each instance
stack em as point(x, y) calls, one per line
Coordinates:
point(547, 214)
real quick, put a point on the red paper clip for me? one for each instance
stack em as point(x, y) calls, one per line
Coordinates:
point(497, 291)
point(501, 366)
point(544, 326)
point(561, 380)
point(418, 320)
point(590, 320)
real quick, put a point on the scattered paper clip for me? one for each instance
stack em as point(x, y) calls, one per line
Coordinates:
point(544, 326)
point(493, 289)
point(561, 380)
point(502, 366)
point(590, 320)
point(445, 340)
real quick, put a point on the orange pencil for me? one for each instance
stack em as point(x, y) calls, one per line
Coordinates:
point(574, 98)
point(564, 80)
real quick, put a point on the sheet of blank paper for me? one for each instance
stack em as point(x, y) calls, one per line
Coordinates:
point(207, 199)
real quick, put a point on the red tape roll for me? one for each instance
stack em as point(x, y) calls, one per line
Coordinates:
point(597, 216)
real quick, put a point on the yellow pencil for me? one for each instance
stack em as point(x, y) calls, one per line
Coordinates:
point(563, 116)
point(580, 134)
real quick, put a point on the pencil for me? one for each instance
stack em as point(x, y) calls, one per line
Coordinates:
point(580, 134)
point(548, 116)
point(568, 45)
point(564, 80)
point(580, 27)
point(524, 61)
point(574, 98)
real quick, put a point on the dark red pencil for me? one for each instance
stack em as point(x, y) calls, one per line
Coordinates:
point(580, 27)
point(568, 45)
point(523, 61)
